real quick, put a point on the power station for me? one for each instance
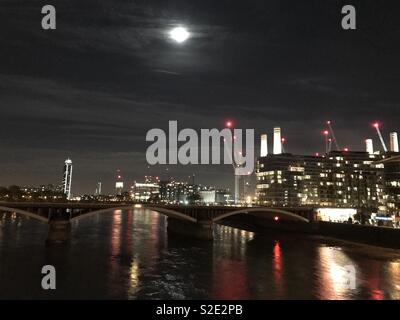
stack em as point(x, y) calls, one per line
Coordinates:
point(368, 181)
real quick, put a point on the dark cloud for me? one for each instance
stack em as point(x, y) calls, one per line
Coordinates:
point(92, 88)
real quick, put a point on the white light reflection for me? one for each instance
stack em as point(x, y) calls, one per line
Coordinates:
point(337, 281)
point(133, 278)
point(394, 275)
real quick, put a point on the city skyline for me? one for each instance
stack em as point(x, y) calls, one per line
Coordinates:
point(167, 172)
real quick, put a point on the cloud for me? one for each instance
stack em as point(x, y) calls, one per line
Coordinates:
point(93, 87)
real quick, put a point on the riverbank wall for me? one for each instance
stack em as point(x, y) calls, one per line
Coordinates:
point(378, 236)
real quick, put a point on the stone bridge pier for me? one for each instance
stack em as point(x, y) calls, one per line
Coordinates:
point(59, 225)
point(202, 229)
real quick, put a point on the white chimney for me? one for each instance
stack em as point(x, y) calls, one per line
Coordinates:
point(277, 141)
point(264, 146)
point(394, 142)
point(369, 146)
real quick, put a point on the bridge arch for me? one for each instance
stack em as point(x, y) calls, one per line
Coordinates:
point(25, 213)
point(165, 211)
point(261, 210)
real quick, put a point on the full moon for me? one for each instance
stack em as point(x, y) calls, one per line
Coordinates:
point(179, 34)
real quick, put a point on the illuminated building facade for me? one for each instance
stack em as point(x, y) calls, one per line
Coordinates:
point(341, 179)
point(145, 192)
point(392, 187)
point(212, 196)
point(119, 184)
point(175, 192)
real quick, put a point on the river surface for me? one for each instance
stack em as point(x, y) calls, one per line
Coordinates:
point(130, 255)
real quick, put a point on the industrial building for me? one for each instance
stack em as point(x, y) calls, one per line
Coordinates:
point(366, 180)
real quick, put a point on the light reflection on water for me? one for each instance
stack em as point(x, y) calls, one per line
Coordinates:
point(129, 255)
point(334, 262)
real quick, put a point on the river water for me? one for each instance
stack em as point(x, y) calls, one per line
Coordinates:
point(129, 255)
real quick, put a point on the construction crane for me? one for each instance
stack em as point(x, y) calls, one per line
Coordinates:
point(329, 124)
point(283, 140)
point(376, 126)
point(326, 134)
point(229, 125)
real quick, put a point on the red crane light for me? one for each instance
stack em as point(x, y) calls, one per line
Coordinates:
point(325, 132)
point(376, 125)
point(276, 218)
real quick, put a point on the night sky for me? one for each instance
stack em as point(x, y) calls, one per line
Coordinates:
point(92, 88)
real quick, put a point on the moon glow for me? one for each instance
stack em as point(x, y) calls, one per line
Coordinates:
point(179, 34)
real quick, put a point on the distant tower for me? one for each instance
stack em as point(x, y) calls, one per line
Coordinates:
point(277, 141)
point(67, 178)
point(369, 145)
point(394, 142)
point(264, 145)
point(119, 184)
point(98, 189)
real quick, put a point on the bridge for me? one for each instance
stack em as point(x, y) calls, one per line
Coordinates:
point(194, 221)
